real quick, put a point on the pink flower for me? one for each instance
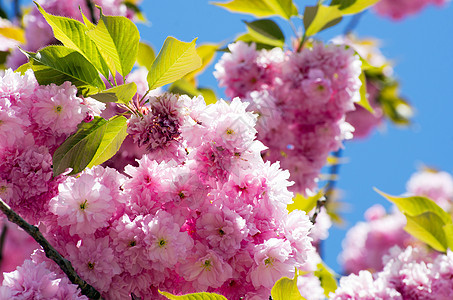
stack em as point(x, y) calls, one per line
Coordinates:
point(273, 261)
point(205, 269)
point(94, 261)
point(399, 9)
point(83, 203)
point(165, 243)
point(34, 281)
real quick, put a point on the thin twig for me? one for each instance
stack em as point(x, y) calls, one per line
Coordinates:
point(330, 187)
point(2, 241)
point(17, 11)
point(50, 251)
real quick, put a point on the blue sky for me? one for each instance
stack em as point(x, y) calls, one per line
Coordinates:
point(421, 47)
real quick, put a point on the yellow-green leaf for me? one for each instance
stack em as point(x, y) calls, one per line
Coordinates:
point(349, 7)
point(262, 8)
point(23, 68)
point(206, 52)
point(117, 39)
point(114, 135)
point(320, 17)
point(118, 94)
point(305, 203)
point(327, 278)
point(448, 230)
point(146, 55)
point(57, 64)
point(428, 228)
point(195, 296)
point(363, 94)
point(267, 32)
point(174, 60)
point(72, 34)
point(286, 289)
point(208, 95)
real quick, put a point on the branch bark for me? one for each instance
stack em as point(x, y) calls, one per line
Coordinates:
point(50, 251)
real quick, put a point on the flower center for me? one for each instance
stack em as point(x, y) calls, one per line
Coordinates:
point(91, 265)
point(229, 131)
point(58, 109)
point(84, 204)
point(132, 243)
point(162, 243)
point(268, 261)
point(207, 264)
point(181, 195)
point(221, 232)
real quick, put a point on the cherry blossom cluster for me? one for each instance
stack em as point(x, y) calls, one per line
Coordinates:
point(39, 34)
point(301, 99)
point(399, 9)
point(367, 242)
point(202, 211)
point(409, 273)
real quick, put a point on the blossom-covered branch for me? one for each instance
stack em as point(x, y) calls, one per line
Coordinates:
point(50, 251)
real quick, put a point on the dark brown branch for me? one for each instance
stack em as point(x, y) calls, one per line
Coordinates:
point(2, 241)
point(50, 251)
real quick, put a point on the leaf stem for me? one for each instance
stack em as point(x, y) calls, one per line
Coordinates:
point(64, 264)
point(301, 44)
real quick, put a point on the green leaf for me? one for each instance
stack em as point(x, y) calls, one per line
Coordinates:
point(417, 205)
point(119, 94)
point(320, 17)
point(262, 8)
point(57, 64)
point(350, 7)
point(72, 34)
point(117, 38)
point(23, 68)
point(363, 96)
point(196, 296)
point(426, 220)
point(394, 107)
point(305, 203)
point(206, 52)
point(208, 95)
point(146, 55)
point(138, 14)
point(248, 38)
point(87, 21)
point(174, 60)
point(184, 87)
point(428, 228)
point(327, 279)
point(267, 32)
point(114, 135)
point(80, 149)
point(286, 289)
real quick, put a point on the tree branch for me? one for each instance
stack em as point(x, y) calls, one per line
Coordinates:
point(91, 9)
point(330, 187)
point(50, 251)
point(2, 241)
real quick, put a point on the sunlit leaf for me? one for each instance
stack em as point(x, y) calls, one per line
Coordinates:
point(248, 38)
point(119, 94)
point(426, 220)
point(72, 34)
point(262, 8)
point(327, 278)
point(206, 52)
point(208, 95)
point(196, 296)
point(286, 289)
point(117, 38)
point(80, 149)
point(349, 7)
point(428, 228)
point(320, 17)
point(305, 203)
point(395, 107)
point(363, 94)
point(57, 64)
point(174, 60)
point(146, 55)
point(114, 135)
point(23, 68)
point(267, 32)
